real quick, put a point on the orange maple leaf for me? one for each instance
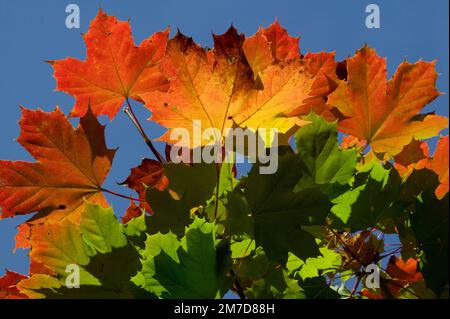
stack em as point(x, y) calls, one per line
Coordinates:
point(22, 238)
point(207, 86)
point(350, 141)
point(149, 173)
point(386, 113)
point(132, 211)
point(115, 68)
point(71, 166)
point(217, 87)
point(414, 156)
point(273, 44)
point(322, 66)
point(401, 275)
point(439, 164)
point(49, 242)
point(269, 45)
point(39, 268)
point(404, 271)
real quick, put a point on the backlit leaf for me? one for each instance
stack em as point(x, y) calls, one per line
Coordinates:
point(439, 164)
point(115, 68)
point(71, 166)
point(191, 268)
point(385, 113)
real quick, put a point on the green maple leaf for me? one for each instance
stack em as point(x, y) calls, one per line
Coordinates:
point(215, 209)
point(330, 261)
point(99, 246)
point(254, 266)
point(279, 213)
point(430, 223)
point(227, 180)
point(371, 199)
point(277, 284)
point(418, 182)
point(242, 249)
point(194, 267)
point(136, 231)
point(194, 186)
point(318, 147)
point(100, 230)
point(238, 221)
point(170, 214)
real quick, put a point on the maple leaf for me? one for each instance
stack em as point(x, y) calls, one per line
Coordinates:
point(274, 44)
point(189, 187)
point(205, 85)
point(318, 148)
point(350, 141)
point(97, 244)
point(404, 271)
point(430, 224)
point(313, 267)
point(278, 210)
point(386, 113)
point(132, 211)
point(115, 68)
point(402, 275)
point(8, 288)
point(268, 45)
point(22, 238)
point(217, 87)
point(378, 188)
point(149, 174)
point(285, 86)
point(40, 268)
point(191, 267)
point(414, 156)
point(60, 244)
point(322, 66)
point(71, 166)
point(439, 164)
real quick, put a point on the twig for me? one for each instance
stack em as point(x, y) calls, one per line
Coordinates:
point(129, 111)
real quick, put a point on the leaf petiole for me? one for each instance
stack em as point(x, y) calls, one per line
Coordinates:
point(121, 195)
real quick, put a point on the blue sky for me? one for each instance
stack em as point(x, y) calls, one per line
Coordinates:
point(34, 31)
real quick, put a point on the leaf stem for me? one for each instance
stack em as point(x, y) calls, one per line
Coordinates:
point(129, 111)
point(237, 285)
point(216, 207)
point(121, 195)
point(352, 293)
